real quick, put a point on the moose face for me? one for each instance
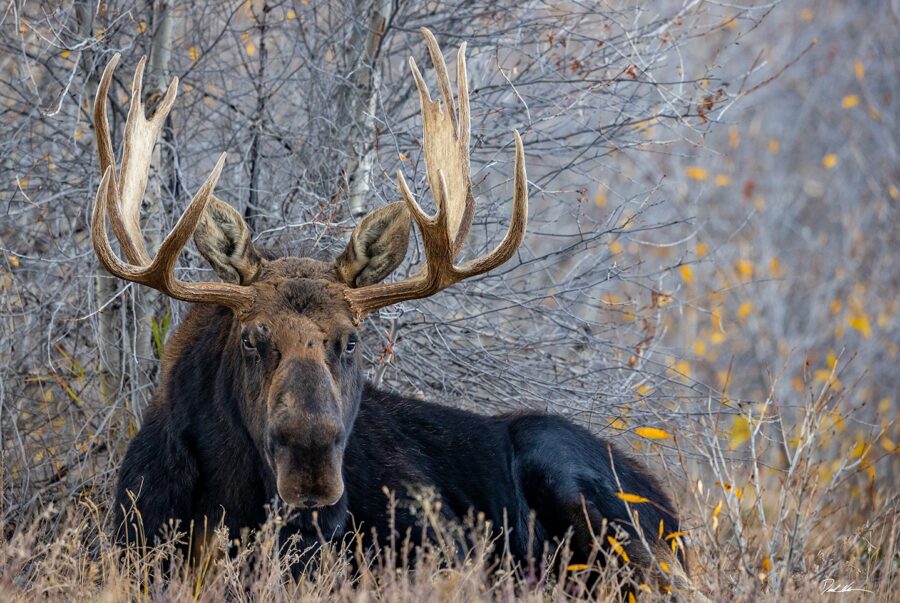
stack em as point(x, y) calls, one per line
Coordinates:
point(298, 344)
point(302, 382)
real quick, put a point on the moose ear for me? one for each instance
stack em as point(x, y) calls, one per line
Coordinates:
point(223, 239)
point(377, 246)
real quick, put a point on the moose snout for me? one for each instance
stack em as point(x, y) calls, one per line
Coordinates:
point(309, 478)
point(306, 435)
point(307, 462)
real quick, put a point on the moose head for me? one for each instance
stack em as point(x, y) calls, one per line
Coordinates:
point(295, 336)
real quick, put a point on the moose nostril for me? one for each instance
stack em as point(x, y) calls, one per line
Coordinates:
point(310, 503)
point(309, 343)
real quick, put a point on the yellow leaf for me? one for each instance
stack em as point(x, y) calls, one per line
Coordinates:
point(722, 180)
point(837, 422)
point(291, 15)
point(699, 348)
point(695, 172)
point(631, 597)
point(643, 389)
point(618, 548)
point(632, 498)
point(861, 449)
point(860, 322)
point(829, 161)
point(13, 261)
point(859, 70)
point(739, 432)
point(687, 273)
point(64, 54)
point(807, 14)
point(734, 137)
point(661, 528)
point(850, 101)
point(744, 310)
point(673, 535)
point(718, 509)
point(894, 192)
point(619, 424)
point(600, 198)
point(652, 433)
point(744, 268)
point(887, 444)
point(404, 156)
point(701, 249)
point(774, 146)
point(251, 49)
point(664, 566)
point(142, 26)
point(775, 266)
point(615, 248)
point(766, 564)
point(193, 53)
point(576, 567)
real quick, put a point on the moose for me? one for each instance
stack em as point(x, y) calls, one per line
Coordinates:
point(262, 398)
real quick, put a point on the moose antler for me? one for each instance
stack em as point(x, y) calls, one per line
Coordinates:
point(127, 190)
point(446, 146)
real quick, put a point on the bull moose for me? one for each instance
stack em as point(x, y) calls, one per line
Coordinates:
point(262, 398)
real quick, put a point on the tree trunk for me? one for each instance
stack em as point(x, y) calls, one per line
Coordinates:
point(109, 318)
point(365, 78)
point(253, 205)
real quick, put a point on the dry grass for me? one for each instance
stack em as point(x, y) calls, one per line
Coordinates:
point(794, 515)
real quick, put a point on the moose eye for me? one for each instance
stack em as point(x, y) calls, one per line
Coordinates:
point(247, 342)
point(351, 345)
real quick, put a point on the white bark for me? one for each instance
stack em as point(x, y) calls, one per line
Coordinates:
point(365, 79)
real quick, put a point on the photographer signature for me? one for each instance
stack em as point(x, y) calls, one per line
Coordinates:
point(830, 585)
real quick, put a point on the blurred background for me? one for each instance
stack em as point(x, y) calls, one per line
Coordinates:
point(708, 278)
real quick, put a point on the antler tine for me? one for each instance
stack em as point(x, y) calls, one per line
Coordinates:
point(133, 250)
point(446, 146)
point(515, 234)
point(443, 77)
point(171, 247)
point(140, 137)
point(446, 143)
